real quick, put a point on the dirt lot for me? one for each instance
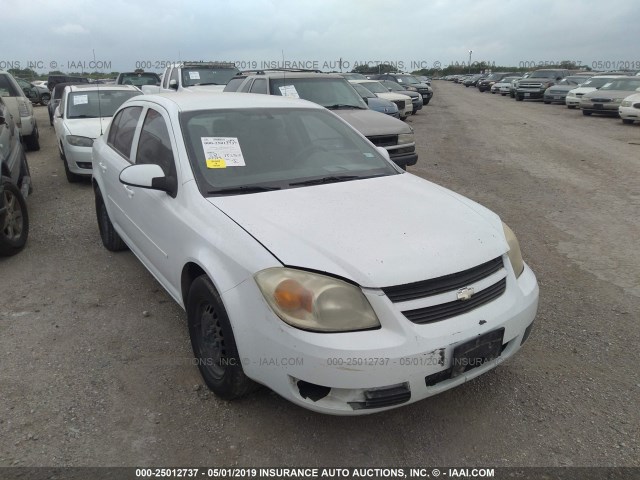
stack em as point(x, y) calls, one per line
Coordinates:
point(87, 379)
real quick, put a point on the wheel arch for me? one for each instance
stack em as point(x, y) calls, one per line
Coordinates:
point(190, 272)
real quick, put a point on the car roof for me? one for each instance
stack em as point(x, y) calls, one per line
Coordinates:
point(225, 100)
point(293, 74)
point(368, 80)
point(91, 86)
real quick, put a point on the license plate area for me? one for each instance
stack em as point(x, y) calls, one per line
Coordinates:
point(476, 352)
point(527, 94)
point(557, 97)
point(597, 106)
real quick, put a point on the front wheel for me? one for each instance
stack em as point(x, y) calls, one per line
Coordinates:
point(519, 98)
point(546, 102)
point(14, 222)
point(571, 107)
point(110, 238)
point(45, 99)
point(213, 343)
point(586, 113)
point(627, 121)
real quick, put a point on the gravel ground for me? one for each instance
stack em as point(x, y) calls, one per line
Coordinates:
point(87, 378)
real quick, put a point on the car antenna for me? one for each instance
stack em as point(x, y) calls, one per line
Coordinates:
point(98, 87)
point(284, 77)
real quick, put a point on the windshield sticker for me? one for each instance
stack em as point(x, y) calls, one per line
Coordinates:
point(289, 91)
point(194, 75)
point(222, 152)
point(368, 155)
point(80, 99)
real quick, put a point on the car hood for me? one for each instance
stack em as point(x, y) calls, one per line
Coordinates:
point(583, 90)
point(87, 127)
point(561, 88)
point(609, 94)
point(393, 96)
point(370, 123)
point(377, 232)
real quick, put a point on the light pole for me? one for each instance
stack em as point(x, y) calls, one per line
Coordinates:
point(470, 52)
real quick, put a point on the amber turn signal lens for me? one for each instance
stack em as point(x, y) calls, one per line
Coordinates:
point(290, 295)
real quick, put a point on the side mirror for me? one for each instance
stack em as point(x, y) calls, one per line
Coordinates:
point(149, 176)
point(383, 151)
point(173, 84)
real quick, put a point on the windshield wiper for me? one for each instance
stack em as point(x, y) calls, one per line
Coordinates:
point(243, 189)
point(343, 106)
point(331, 179)
point(205, 83)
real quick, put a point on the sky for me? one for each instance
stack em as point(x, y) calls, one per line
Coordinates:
point(125, 34)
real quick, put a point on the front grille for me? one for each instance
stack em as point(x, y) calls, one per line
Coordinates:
point(557, 92)
point(446, 283)
point(400, 104)
point(384, 140)
point(579, 94)
point(384, 397)
point(530, 85)
point(600, 100)
point(443, 311)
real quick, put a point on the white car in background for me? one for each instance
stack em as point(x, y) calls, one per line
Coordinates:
point(83, 114)
point(572, 100)
point(404, 102)
point(502, 87)
point(21, 109)
point(629, 109)
point(285, 235)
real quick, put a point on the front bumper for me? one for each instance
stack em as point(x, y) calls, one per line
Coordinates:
point(629, 113)
point(555, 98)
point(78, 159)
point(608, 108)
point(398, 360)
point(530, 94)
point(572, 101)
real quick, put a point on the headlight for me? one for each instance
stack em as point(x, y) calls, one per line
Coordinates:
point(618, 100)
point(515, 256)
point(315, 302)
point(23, 108)
point(412, 89)
point(405, 138)
point(626, 103)
point(77, 141)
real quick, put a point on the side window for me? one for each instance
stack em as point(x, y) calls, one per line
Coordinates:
point(122, 129)
point(245, 88)
point(259, 86)
point(165, 79)
point(154, 145)
point(174, 75)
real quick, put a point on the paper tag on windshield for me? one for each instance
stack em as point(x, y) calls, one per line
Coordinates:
point(222, 152)
point(80, 99)
point(194, 75)
point(289, 91)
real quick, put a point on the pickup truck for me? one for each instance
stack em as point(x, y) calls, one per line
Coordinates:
point(194, 77)
point(534, 86)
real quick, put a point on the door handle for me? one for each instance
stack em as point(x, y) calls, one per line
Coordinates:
point(130, 192)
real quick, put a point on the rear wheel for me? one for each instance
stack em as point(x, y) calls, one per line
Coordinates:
point(213, 342)
point(45, 99)
point(14, 222)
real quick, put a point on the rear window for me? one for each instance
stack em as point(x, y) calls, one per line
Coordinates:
point(139, 79)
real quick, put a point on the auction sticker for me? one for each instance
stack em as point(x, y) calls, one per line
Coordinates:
point(194, 75)
point(289, 91)
point(222, 152)
point(80, 99)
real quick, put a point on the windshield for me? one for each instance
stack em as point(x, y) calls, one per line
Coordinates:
point(596, 82)
point(408, 79)
point(354, 76)
point(273, 148)
point(85, 104)
point(545, 74)
point(139, 79)
point(393, 86)
point(363, 92)
point(207, 76)
point(326, 91)
point(509, 79)
point(375, 87)
point(625, 84)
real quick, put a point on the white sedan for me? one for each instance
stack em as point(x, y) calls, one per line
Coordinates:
point(81, 117)
point(404, 103)
point(629, 109)
point(285, 235)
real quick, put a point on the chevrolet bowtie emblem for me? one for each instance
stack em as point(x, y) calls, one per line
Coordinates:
point(465, 293)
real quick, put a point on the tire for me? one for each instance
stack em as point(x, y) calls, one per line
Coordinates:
point(110, 238)
point(546, 102)
point(71, 177)
point(503, 94)
point(14, 227)
point(213, 343)
point(571, 107)
point(33, 141)
point(627, 121)
point(45, 99)
point(425, 102)
point(493, 93)
point(586, 112)
point(403, 118)
point(519, 98)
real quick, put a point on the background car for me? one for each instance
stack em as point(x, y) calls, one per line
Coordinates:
point(534, 86)
point(55, 79)
point(138, 78)
point(409, 82)
point(558, 92)
point(259, 216)
point(21, 109)
point(502, 86)
point(572, 100)
point(36, 93)
point(485, 84)
point(82, 116)
point(15, 186)
point(416, 98)
point(404, 103)
point(609, 97)
point(629, 109)
point(376, 103)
